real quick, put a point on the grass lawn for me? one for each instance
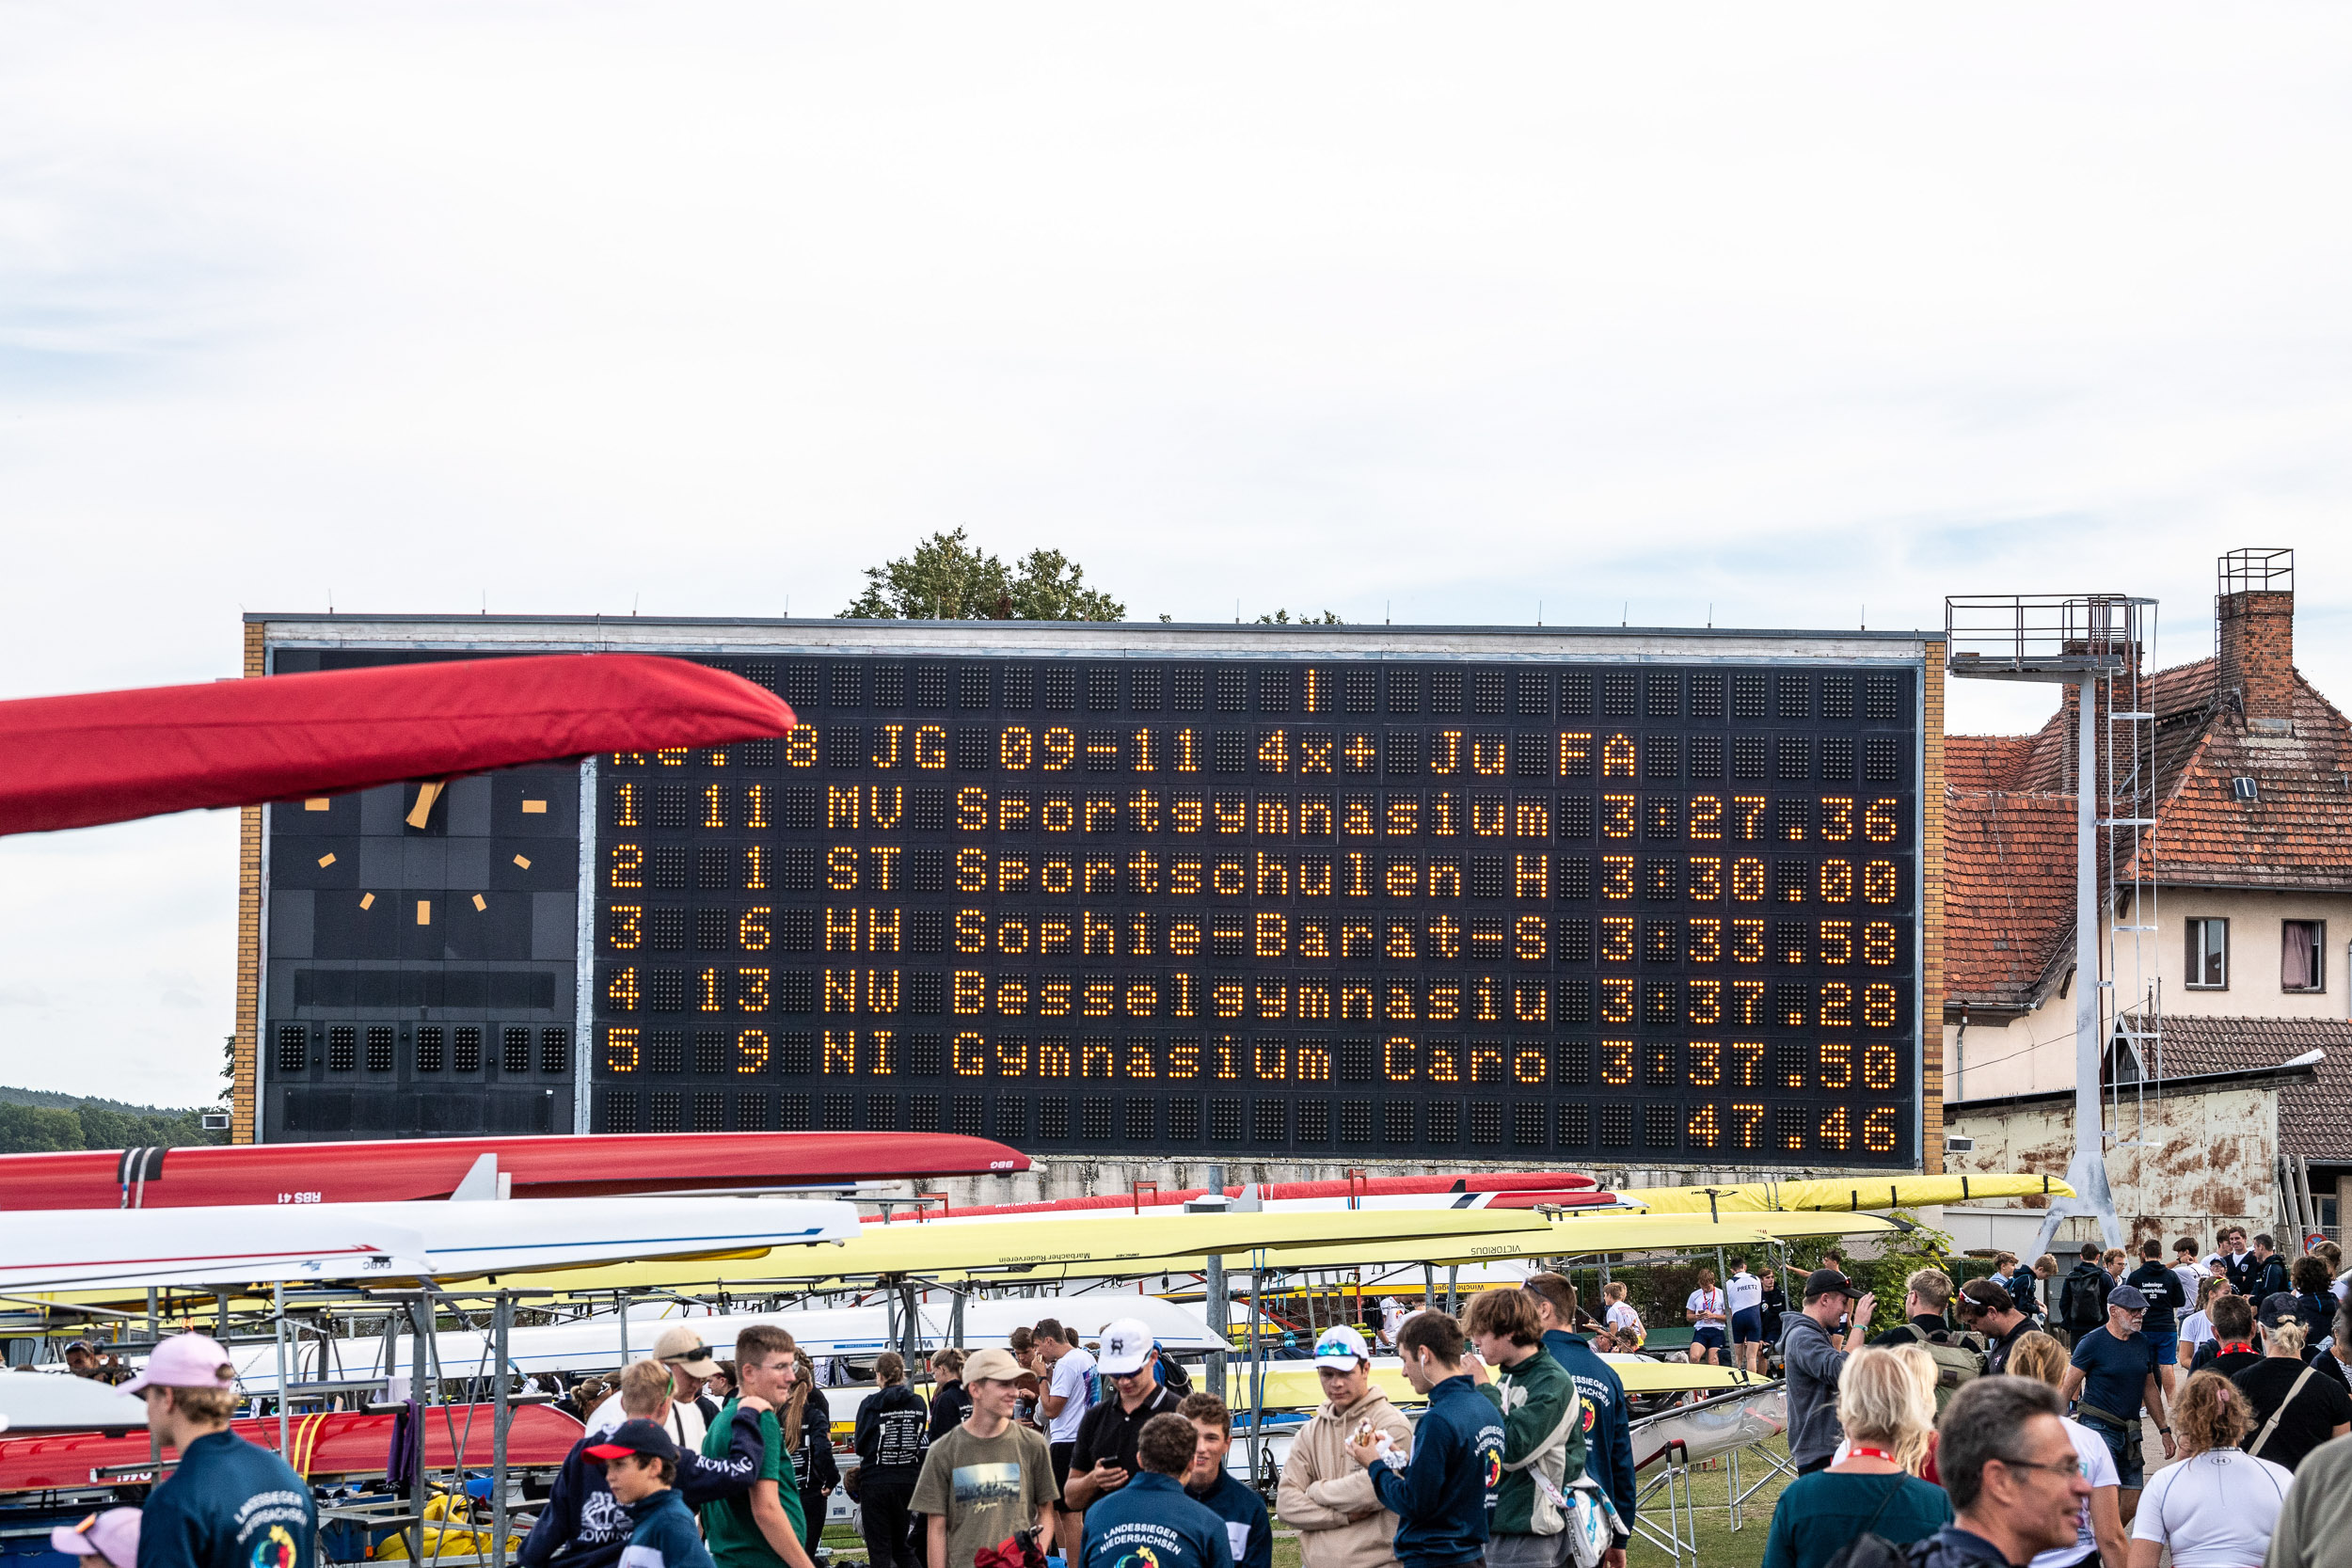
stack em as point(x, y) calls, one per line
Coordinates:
point(1720, 1545)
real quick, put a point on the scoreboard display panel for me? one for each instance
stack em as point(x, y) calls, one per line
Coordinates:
point(1118, 899)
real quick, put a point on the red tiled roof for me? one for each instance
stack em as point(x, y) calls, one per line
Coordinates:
point(2009, 893)
point(2314, 1120)
point(1985, 760)
point(2010, 834)
point(2297, 830)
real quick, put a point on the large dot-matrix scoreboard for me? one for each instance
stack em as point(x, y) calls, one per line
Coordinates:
point(1304, 896)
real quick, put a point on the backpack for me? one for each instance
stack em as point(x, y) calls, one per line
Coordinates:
point(2079, 1302)
point(1956, 1364)
point(1868, 1549)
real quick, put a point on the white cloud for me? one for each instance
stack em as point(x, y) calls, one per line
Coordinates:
point(1635, 313)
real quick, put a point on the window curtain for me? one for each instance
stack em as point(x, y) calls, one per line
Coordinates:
point(2294, 958)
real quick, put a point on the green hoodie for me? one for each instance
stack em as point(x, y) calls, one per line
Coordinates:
point(1543, 1433)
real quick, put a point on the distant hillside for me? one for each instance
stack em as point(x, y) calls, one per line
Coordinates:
point(34, 1121)
point(76, 1102)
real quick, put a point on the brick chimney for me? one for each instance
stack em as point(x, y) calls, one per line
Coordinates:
point(2254, 636)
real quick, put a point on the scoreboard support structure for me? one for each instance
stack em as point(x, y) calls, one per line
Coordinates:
point(1412, 896)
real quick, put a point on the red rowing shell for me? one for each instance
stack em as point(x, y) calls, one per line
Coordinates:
point(411, 1170)
point(338, 1443)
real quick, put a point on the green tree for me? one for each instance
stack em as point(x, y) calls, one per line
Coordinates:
point(1284, 618)
point(1052, 587)
point(38, 1130)
point(949, 579)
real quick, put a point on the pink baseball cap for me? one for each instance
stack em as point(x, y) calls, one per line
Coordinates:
point(113, 1535)
point(184, 1361)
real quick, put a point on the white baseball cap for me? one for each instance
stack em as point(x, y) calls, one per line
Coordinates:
point(1341, 1349)
point(1126, 1345)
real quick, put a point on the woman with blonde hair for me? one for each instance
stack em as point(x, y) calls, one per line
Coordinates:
point(2099, 1529)
point(1888, 1417)
point(2217, 1508)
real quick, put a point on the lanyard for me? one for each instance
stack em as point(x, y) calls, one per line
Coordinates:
point(1860, 1452)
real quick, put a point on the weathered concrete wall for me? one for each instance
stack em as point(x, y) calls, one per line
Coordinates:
point(2198, 1162)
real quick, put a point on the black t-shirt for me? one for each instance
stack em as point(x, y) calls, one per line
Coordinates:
point(1775, 1303)
point(2231, 1365)
point(1998, 1347)
point(1110, 1430)
point(951, 1403)
point(2310, 1420)
point(2162, 1288)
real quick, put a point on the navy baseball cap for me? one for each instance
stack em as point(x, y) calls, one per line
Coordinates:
point(2128, 1298)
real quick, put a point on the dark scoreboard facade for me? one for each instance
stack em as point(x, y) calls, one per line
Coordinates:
point(1252, 896)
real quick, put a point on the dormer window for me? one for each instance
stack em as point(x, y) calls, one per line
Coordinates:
point(2243, 789)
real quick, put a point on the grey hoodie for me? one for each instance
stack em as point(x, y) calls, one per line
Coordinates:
point(1814, 1363)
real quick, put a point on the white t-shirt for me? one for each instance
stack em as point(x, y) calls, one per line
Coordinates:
point(686, 1422)
point(1707, 1301)
point(1743, 1291)
point(2190, 1278)
point(2099, 1470)
point(1076, 1388)
point(1623, 1319)
point(2195, 1330)
point(2215, 1511)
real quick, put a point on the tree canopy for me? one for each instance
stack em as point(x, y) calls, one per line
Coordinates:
point(946, 577)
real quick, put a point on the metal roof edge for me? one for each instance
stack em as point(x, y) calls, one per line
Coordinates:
point(2298, 1070)
point(1245, 628)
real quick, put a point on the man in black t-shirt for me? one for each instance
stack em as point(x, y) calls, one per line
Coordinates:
point(2234, 1345)
point(2162, 1288)
point(1103, 1460)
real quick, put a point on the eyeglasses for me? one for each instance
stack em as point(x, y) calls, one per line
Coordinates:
point(2067, 1467)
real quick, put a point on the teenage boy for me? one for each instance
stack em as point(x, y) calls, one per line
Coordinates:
point(640, 1464)
point(692, 1411)
point(1104, 1455)
point(1985, 1311)
point(1816, 1359)
point(986, 1482)
point(1151, 1520)
point(2236, 1261)
point(1325, 1494)
point(1441, 1493)
point(228, 1503)
point(585, 1524)
point(2267, 1273)
point(2082, 1303)
point(762, 1526)
point(2166, 1301)
point(1710, 1317)
point(1608, 1443)
point(1543, 1429)
point(1744, 1293)
point(1069, 1392)
point(1249, 1533)
point(2114, 1370)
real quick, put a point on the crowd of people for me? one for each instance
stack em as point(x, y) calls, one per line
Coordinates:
point(2022, 1433)
point(2010, 1421)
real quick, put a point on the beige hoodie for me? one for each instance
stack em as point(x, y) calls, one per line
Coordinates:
point(1327, 1498)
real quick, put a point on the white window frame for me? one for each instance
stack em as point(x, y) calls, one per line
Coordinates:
point(2207, 921)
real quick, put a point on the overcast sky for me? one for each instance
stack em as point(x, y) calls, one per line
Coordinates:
point(1441, 312)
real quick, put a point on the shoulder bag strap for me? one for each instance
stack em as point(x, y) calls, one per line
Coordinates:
point(1894, 1485)
point(2262, 1438)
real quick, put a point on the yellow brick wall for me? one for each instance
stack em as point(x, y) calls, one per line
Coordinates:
point(1931, 912)
point(242, 1125)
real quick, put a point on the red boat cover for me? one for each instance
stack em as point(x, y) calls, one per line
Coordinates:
point(424, 1169)
point(110, 756)
point(341, 1442)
